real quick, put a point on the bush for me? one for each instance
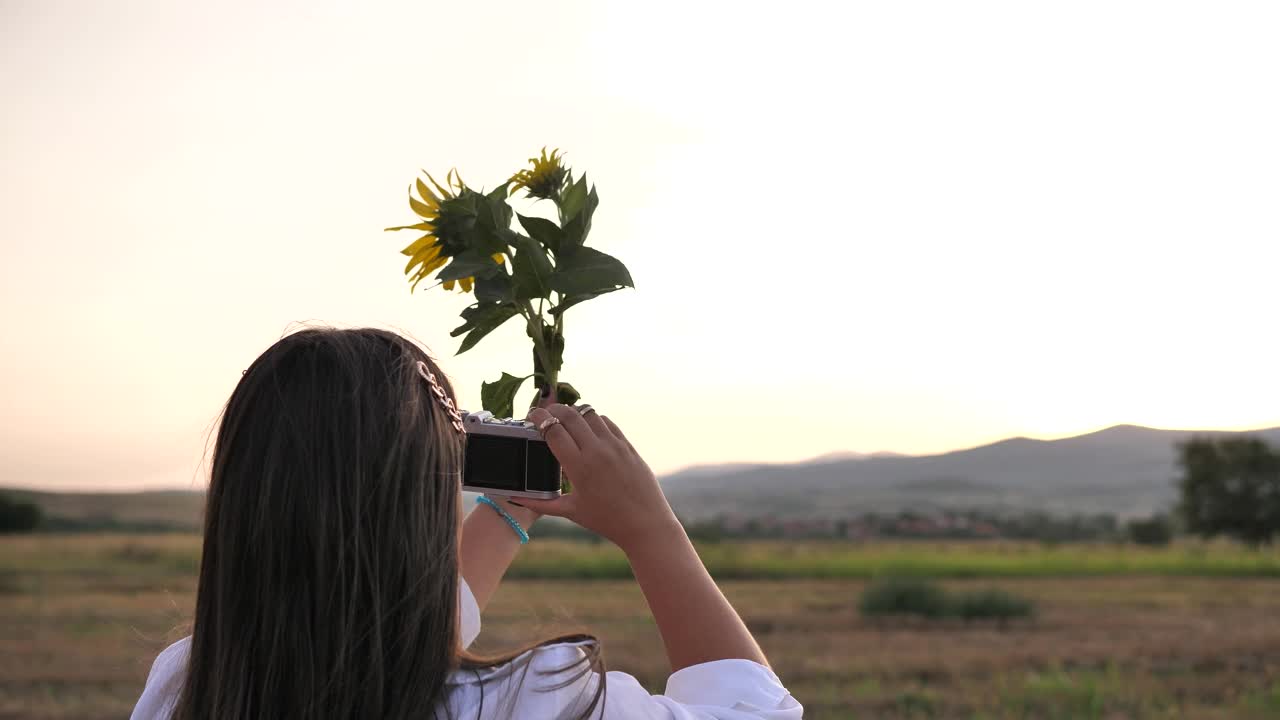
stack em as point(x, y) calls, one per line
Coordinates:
point(992, 604)
point(904, 596)
point(1155, 530)
point(17, 515)
point(925, 598)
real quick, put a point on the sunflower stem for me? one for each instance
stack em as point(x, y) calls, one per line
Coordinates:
point(534, 322)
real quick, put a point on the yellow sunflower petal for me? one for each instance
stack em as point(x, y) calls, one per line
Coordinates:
point(428, 197)
point(434, 264)
point(425, 227)
point(426, 271)
point(421, 209)
point(499, 258)
point(444, 194)
point(419, 245)
point(423, 256)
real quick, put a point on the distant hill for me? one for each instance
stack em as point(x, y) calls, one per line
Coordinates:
point(1126, 470)
point(133, 511)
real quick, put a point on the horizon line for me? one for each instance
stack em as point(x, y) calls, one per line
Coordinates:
point(84, 490)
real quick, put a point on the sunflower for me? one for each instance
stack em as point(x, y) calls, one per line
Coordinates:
point(544, 180)
point(445, 220)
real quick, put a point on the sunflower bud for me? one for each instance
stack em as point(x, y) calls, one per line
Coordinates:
point(544, 180)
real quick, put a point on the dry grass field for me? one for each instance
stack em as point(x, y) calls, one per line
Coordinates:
point(82, 617)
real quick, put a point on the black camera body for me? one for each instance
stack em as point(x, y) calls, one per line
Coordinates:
point(508, 457)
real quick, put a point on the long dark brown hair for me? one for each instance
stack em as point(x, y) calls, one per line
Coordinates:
point(329, 578)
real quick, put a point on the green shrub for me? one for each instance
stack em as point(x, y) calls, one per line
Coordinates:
point(992, 604)
point(904, 596)
point(18, 515)
point(917, 704)
point(925, 598)
point(1155, 530)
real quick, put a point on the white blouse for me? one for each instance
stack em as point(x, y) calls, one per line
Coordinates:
point(717, 690)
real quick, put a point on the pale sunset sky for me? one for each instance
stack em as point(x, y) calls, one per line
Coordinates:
point(907, 226)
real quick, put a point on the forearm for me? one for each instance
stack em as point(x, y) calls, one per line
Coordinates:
point(695, 619)
point(488, 548)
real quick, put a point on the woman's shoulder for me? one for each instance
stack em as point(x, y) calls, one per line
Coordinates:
point(550, 659)
point(163, 682)
point(558, 680)
point(178, 652)
point(552, 680)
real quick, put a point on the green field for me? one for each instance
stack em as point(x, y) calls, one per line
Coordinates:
point(141, 560)
point(1189, 631)
point(780, 560)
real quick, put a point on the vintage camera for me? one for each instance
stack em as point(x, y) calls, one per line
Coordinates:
point(508, 457)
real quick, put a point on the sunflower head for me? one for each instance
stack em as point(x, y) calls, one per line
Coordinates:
point(448, 218)
point(545, 179)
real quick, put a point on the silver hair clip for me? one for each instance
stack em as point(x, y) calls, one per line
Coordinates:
point(442, 396)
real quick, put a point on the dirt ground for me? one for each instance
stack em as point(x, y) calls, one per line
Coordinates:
point(79, 645)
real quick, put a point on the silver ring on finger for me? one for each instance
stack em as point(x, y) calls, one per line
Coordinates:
point(584, 408)
point(546, 425)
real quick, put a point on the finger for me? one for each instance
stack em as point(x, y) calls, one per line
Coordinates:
point(558, 439)
point(562, 506)
point(595, 423)
point(617, 431)
point(582, 433)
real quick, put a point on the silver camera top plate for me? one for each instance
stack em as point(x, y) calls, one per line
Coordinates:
point(484, 423)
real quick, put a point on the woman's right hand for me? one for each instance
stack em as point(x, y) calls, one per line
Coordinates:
point(615, 494)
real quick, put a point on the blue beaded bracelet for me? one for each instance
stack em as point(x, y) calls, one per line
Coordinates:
point(524, 536)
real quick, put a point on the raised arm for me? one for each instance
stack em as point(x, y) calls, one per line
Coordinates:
point(489, 547)
point(616, 495)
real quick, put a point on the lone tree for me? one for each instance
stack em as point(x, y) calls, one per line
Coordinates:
point(17, 515)
point(1230, 486)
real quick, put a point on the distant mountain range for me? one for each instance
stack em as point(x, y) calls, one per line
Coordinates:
point(1124, 470)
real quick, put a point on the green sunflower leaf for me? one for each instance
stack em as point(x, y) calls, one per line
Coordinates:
point(573, 199)
point(542, 230)
point(469, 263)
point(587, 271)
point(494, 288)
point(570, 300)
point(531, 271)
point(481, 319)
point(566, 394)
point(500, 192)
point(576, 230)
point(473, 314)
point(493, 232)
point(493, 242)
point(494, 213)
point(498, 396)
